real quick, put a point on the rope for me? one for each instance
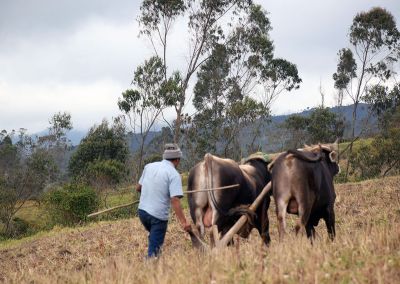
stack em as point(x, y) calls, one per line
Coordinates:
point(212, 189)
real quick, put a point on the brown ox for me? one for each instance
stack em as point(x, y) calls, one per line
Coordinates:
point(224, 207)
point(302, 184)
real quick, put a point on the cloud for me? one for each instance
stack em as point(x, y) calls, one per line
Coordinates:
point(21, 18)
point(78, 56)
point(96, 50)
point(32, 106)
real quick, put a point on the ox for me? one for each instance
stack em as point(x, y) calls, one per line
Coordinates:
point(302, 184)
point(222, 208)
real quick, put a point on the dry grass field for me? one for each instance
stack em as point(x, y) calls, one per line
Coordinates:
point(366, 250)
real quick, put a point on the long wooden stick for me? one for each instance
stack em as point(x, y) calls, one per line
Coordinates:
point(243, 219)
point(211, 189)
point(112, 208)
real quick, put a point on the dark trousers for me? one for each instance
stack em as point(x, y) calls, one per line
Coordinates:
point(157, 229)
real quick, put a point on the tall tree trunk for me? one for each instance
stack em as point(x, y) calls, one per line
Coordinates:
point(356, 102)
point(353, 126)
point(178, 122)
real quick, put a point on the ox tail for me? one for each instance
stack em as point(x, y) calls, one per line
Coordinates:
point(208, 170)
point(208, 163)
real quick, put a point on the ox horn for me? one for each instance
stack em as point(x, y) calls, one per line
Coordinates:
point(243, 219)
point(336, 145)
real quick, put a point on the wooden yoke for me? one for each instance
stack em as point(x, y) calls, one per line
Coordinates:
point(243, 219)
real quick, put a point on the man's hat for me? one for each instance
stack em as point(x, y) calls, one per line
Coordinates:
point(172, 151)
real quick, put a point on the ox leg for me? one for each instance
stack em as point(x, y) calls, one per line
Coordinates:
point(281, 207)
point(199, 221)
point(310, 230)
point(214, 233)
point(263, 224)
point(310, 227)
point(304, 215)
point(329, 219)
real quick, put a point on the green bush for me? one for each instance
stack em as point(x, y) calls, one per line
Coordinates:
point(71, 203)
point(108, 171)
point(103, 142)
point(19, 228)
point(365, 162)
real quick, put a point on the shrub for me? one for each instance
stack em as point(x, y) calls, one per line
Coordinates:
point(105, 172)
point(19, 228)
point(71, 204)
point(379, 157)
point(103, 142)
point(366, 162)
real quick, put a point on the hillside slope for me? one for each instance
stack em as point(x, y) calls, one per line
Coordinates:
point(367, 250)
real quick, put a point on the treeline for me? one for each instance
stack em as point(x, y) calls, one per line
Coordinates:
point(66, 183)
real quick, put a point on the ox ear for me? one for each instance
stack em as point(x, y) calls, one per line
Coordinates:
point(333, 156)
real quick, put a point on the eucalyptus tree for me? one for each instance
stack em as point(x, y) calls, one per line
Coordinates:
point(208, 23)
point(383, 101)
point(255, 72)
point(210, 99)
point(237, 85)
point(144, 104)
point(374, 40)
point(297, 127)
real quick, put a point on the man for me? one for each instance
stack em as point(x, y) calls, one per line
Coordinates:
point(161, 186)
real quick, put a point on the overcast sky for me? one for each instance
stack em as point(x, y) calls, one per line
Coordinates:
point(79, 56)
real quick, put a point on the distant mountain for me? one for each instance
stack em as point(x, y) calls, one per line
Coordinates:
point(272, 138)
point(133, 139)
point(347, 113)
point(75, 136)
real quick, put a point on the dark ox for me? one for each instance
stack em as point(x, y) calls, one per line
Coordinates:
point(302, 184)
point(223, 207)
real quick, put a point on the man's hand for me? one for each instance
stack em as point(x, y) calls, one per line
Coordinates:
point(187, 226)
point(138, 187)
point(176, 205)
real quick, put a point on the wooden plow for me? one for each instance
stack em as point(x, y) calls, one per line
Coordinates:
point(219, 243)
point(243, 219)
point(193, 233)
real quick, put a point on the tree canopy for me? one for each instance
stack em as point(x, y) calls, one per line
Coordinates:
point(235, 30)
point(375, 46)
point(103, 142)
